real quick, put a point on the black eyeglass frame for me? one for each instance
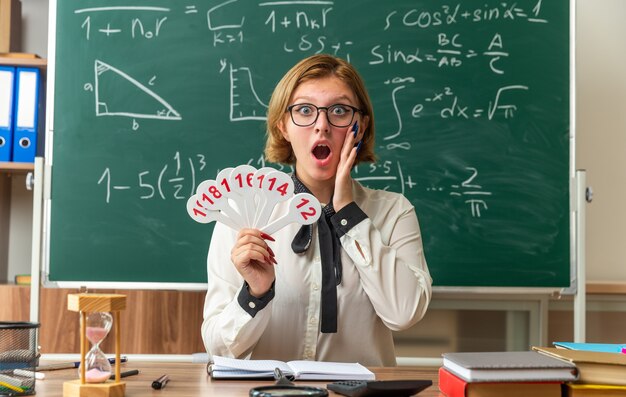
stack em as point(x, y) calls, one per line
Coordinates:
point(354, 111)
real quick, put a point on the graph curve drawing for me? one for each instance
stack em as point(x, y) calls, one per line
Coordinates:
point(245, 103)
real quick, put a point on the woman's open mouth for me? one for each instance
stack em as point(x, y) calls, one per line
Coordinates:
point(321, 152)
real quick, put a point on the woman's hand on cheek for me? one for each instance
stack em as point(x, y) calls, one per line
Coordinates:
point(343, 180)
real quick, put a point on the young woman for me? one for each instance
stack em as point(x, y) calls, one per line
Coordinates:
point(334, 290)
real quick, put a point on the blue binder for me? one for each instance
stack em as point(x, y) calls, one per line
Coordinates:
point(7, 85)
point(26, 114)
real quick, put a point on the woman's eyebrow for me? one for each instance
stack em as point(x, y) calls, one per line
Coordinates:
point(309, 99)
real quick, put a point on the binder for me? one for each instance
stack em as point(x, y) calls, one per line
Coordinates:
point(26, 114)
point(7, 85)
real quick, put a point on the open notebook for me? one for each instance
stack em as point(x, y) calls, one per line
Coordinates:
point(227, 368)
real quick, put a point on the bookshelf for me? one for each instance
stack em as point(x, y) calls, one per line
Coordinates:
point(11, 175)
point(24, 61)
point(11, 167)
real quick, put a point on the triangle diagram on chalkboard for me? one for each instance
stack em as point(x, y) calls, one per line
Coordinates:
point(118, 94)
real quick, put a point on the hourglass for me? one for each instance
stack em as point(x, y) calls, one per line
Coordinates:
point(95, 325)
point(98, 367)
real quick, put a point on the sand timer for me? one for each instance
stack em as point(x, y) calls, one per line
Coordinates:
point(96, 322)
point(98, 367)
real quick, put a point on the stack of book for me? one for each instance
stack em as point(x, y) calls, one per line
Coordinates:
point(601, 368)
point(510, 374)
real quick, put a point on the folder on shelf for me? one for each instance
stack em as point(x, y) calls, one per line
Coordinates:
point(26, 114)
point(7, 85)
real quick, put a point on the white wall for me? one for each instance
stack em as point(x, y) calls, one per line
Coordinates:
point(35, 27)
point(601, 134)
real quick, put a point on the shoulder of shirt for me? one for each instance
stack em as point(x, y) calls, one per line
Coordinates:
point(364, 194)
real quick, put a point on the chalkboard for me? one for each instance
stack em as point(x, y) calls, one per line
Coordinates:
point(472, 107)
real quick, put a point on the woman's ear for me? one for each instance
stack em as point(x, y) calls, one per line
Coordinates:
point(363, 124)
point(283, 130)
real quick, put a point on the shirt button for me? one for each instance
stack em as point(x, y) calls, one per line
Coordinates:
point(251, 305)
point(315, 287)
point(343, 222)
point(316, 259)
point(313, 320)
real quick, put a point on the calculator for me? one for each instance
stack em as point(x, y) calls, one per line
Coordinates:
point(379, 388)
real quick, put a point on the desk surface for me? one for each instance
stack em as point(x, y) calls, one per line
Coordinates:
point(187, 380)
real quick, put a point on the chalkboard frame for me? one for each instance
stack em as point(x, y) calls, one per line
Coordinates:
point(201, 286)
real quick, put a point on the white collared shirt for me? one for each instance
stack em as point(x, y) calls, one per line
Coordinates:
point(385, 286)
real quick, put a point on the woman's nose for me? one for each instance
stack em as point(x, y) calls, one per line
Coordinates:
point(322, 124)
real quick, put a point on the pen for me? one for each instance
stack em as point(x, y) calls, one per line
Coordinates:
point(126, 373)
point(160, 382)
point(76, 364)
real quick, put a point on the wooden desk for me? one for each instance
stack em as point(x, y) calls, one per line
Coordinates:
point(191, 380)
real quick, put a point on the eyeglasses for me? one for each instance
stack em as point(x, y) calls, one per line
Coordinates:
point(306, 114)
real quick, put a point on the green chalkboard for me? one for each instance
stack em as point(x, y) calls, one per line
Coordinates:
point(472, 103)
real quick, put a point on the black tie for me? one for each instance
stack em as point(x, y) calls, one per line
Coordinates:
point(330, 251)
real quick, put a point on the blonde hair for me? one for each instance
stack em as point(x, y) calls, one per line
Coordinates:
point(277, 148)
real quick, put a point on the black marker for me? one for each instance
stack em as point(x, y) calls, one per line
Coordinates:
point(125, 374)
point(161, 382)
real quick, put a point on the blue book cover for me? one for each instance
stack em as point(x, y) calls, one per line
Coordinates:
point(26, 114)
point(592, 347)
point(7, 87)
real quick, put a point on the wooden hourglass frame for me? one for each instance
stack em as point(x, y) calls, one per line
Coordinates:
point(85, 303)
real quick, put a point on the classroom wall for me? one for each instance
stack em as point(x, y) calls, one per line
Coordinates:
point(601, 135)
point(35, 27)
point(600, 139)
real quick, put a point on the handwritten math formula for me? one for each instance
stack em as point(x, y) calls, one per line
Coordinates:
point(307, 27)
point(226, 25)
point(179, 177)
point(426, 64)
point(175, 179)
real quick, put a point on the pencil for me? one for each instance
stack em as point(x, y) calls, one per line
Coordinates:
point(9, 386)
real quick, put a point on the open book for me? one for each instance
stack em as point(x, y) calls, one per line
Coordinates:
point(226, 368)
